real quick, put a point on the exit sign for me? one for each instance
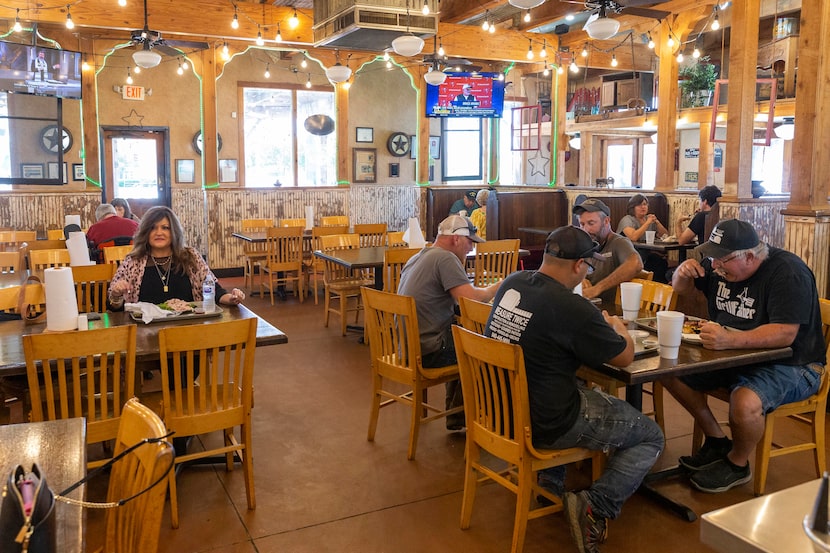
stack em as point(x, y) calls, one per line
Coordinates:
point(129, 92)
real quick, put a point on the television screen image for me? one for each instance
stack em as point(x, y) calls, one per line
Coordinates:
point(466, 95)
point(41, 71)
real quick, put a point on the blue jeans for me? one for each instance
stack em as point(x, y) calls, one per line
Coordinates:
point(609, 424)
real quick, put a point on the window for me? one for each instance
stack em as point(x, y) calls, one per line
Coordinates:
point(768, 166)
point(461, 159)
point(278, 149)
point(510, 162)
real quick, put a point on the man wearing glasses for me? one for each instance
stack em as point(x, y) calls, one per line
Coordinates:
point(758, 296)
point(436, 278)
point(560, 331)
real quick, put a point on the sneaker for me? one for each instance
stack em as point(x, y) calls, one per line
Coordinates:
point(710, 453)
point(720, 476)
point(587, 529)
point(456, 422)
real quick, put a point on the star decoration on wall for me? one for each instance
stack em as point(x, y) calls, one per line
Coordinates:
point(539, 164)
point(134, 119)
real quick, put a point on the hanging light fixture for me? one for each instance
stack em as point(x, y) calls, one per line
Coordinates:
point(525, 4)
point(543, 53)
point(235, 20)
point(650, 42)
point(485, 26)
point(585, 51)
point(614, 62)
point(786, 130)
point(129, 76)
point(574, 67)
point(226, 53)
point(308, 81)
point(441, 51)
point(122, 3)
point(278, 38)
point(338, 73)
point(69, 23)
point(527, 16)
point(408, 45)
point(293, 21)
point(435, 76)
point(17, 26)
point(304, 63)
point(715, 21)
point(267, 74)
point(180, 70)
point(259, 41)
point(425, 9)
point(600, 27)
point(146, 58)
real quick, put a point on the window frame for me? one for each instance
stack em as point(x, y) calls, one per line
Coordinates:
point(446, 145)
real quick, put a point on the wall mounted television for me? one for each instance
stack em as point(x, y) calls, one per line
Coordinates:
point(466, 95)
point(27, 69)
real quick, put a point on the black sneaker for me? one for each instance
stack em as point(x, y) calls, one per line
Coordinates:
point(711, 452)
point(456, 422)
point(720, 476)
point(587, 529)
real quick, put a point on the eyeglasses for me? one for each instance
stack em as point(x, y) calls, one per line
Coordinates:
point(724, 260)
point(590, 266)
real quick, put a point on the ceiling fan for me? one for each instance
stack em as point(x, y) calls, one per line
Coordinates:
point(602, 27)
point(149, 41)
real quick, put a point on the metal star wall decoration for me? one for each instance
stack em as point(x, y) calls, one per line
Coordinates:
point(134, 119)
point(539, 164)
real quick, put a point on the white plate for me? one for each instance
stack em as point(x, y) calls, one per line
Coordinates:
point(692, 337)
point(638, 334)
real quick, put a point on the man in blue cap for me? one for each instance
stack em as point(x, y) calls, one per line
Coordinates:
point(466, 203)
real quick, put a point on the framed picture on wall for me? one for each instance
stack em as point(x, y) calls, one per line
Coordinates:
point(31, 170)
point(394, 169)
point(413, 146)
point(364, 134)
point(435, 147)
point(77, 171)
point(52, 170)
point(227, 170)
point(364, 165)
point(185, 170)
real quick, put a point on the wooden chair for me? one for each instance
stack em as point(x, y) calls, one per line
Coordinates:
point(340, 283)
point(116, 254)
point(494, 260)
point(10, 262)
point(222, 398)
point(395, 351)
point(18, 236)
point(91, 285)
point(254, 253)
point(810, 411)
point(498, 422)
point(656, 297)
point(315, 267)
point(284, 262)
point(394, 260)
point(334, 221)
point(371, 234)
point(292, 222)
point(55, 234)
point(134, 526)
point(91, 374)
point(40, 260)
point(34, 297)
point(395, 239)
point(474, 314)
point(643, 275)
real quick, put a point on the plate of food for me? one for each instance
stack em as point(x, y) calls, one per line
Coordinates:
point(691, 327)
point(176, 309)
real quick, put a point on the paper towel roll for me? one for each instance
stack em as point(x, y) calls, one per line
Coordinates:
point(309, 217)
point(413, 235)
point(61, 303)
point(78, 250)
point(70, 219)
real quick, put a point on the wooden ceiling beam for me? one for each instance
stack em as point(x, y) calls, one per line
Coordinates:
point(454, 11)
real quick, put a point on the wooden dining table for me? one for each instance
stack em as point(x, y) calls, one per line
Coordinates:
point(664, 247)
point(59, 449)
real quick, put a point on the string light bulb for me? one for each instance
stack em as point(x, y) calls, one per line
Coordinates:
point(715, 21)
point(235, 20)
point(85, 66)
point(680, 57)
point(129, 76)
point(530, 50)
point(425, 9)
point(293, 21)
point(544, 52)
point(485, 26)
point(259, 41)
point(185, 65)
point(614, 62)
point(17, 26)
point(386, 56)
point(696, 53)
point(650, 42)
point(137, 69)
point(670, 41)
point(69, 23)
point(226, 54)
point(584, 51)
point(527, 16)
point(492, 28)
point(278, 38)
point(388, 64)
point(546, 72)
point(441, 51)
point(304, 63)
point(308, 81)
point(122, 3)
point(501, 76)
point(574, 67)
point(180, 70)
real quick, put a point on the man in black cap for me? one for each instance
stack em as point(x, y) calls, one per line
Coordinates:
point(466, 203)
point(758, 296)
point(559, 331)
point(622, 262)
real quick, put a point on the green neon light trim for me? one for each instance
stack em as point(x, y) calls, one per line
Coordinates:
point(343, 183)
point(212, 185)
point(554, 165)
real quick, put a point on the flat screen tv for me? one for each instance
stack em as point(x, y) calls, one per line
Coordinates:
point(41, 71)
point(466, 95)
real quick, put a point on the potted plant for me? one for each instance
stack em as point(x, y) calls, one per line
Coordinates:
point(697, 81)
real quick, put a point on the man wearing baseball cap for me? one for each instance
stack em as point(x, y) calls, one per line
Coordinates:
point(758, 296)
point(436, 278)
point(466, 203)
point(622, 261)
point(559, 331)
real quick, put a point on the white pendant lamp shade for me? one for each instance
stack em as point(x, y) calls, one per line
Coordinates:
point(786, 130)
point(338, 73)
point(575, 143)
point(602, 28)
point(525, 4)
point(435, 77)
point(408, 45)
point(146, 58)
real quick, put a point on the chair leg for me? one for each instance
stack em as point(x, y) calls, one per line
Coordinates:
point(657, 398)
point(174, 502)
point(762, 452)
point(248, 464)
point(344, 304)
point(326, 305)
point(818, 439)
point(470, 484)
point(377, 384)
point(523, 497)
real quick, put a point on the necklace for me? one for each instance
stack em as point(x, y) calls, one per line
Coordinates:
point(166, 274)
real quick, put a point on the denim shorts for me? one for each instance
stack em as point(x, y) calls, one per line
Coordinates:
point(774, 384)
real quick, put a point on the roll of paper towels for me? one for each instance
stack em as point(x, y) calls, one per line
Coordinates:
point(309, 217)
point(61, 303)
point(71, 219)
point(78, 250)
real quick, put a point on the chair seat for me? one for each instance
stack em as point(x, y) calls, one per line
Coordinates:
point(440, 372)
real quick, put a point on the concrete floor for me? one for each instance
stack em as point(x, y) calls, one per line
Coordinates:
point(322, 487)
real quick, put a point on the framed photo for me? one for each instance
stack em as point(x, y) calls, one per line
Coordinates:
point(52, 170)
point(435, 147)
point(65, 173)
point(364, 134)
point(227, 170)
point(77, 171)
point(364, 165)
point(185, 170)
point(394, 169)
point(31, 170)
point(413, 146)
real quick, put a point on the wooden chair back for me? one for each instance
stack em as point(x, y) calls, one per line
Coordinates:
point(284, 262)
point(55, 234)
point(494, 260)
point(394, 260)
point(40, 260)
point(656, 296)
point(116, 254)
point(134, 526)
point(395, 239)
point(642, 275)
point(334, 272)
point(474, 314)
point(497, 408)
point(34, 295)
point(10, 262)
point(256, 225)
point(371, 234)
point(316, 266)
point(84, 373)
point(18, 236)
point(254, 252)
point(221, 355)
point(395, 351)
point(334, 220)
point(292, 223)
point(91, 285)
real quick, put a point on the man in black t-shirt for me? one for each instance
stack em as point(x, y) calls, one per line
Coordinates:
point(559, 331)
point(758, 296)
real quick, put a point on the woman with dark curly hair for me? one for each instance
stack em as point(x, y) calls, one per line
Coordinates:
point(162, 267)
point(122, 208)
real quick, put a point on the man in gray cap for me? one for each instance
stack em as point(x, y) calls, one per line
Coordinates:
point(622, 262)
point(559, 332)
point(436, 278)
point(758, 297)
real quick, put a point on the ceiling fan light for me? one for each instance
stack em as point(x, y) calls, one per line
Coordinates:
point(525, 4)
point(146, 58)
point(338, 73)
point(434, 77)
point(408, 45)
point(602, 28)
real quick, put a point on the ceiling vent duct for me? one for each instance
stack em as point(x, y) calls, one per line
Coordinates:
point(368, 25)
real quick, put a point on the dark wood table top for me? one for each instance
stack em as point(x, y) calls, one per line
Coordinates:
point(660, 246)
point(259, 237)
point(358, 258)
point(59, 449)
point(13, 360)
